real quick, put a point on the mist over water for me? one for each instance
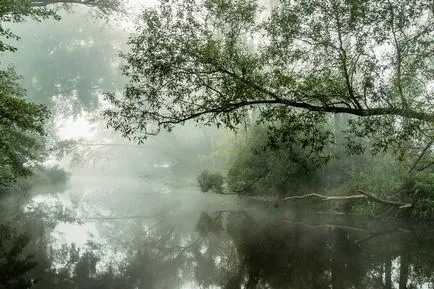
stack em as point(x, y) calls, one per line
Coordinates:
point(145, 232)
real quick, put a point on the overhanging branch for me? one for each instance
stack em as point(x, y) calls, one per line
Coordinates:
point(386, 111)
point(358, 111)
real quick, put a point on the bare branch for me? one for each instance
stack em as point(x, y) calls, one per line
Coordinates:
point(422, 154)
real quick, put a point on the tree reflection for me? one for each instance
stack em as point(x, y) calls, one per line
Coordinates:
point(279, 254)
point(230, 250)
point(15, 263)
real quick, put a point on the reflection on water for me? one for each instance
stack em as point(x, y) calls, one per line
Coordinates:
point(187, 240)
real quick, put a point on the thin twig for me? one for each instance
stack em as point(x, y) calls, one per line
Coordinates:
point(429, 144)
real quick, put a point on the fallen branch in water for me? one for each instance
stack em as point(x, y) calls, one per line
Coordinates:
point(392, 203)
point(361, 196)
point(324, 198)
point(382, 234)
point(310, 196)
point(326, 226)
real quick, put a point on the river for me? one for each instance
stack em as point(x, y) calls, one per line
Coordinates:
point(119, 232)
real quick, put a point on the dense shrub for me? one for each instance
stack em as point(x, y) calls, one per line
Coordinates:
point(261, 168)
point(210, 182)
point(290, 168)
point(420, 189)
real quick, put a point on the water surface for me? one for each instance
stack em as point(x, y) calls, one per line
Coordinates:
point(108, 232)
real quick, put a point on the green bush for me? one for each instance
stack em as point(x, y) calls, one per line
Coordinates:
point(210, 182)
point(282, 168)
point(420, 189)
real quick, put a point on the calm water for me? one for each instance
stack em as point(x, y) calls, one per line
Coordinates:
point(136, 233)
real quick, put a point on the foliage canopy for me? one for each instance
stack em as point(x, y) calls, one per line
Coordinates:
point(293, 63)
point(15, 11)
point(21, 126)
point(21, 122)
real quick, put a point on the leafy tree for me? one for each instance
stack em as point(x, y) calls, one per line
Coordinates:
point(299, 62)
point(15, 11)
point(68, 63)
point(72, 72)
point(21, 122)
point(21, 128)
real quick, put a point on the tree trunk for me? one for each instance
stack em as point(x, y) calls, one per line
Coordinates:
point(335, 278)
point(403, 271)
point(388, 273)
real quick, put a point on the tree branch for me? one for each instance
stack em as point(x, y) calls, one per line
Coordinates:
point(90, 3)
point(413, 114)
point(386, 202)
point(361, 196)
point(359, 111)
point(251, 184)
point(344, 62)
point(399, 58)
point(429, 144)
